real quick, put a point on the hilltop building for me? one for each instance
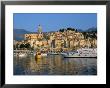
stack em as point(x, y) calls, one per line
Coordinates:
point(58, 41)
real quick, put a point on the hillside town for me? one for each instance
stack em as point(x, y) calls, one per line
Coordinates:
point(55, 44)
point(58, 41)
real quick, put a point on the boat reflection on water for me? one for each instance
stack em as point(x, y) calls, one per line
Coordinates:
point(54, 65)
point(38, 56)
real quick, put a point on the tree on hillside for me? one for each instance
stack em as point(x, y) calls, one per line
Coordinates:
point(27, 45)
point(85, 35)
point(61, 30)
point(22, 46)
point(72, 29)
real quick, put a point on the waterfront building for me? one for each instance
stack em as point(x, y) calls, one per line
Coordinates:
point(58, 41)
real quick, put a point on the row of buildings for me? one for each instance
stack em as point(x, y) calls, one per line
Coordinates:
point(58, 41)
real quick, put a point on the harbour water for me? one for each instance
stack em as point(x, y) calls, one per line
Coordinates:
point(54, 65)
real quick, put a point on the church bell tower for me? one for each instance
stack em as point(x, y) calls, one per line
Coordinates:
point(39, 28)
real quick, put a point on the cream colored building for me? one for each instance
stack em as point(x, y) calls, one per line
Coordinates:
point(73, 39)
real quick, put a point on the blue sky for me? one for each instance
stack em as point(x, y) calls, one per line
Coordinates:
point(54, 21)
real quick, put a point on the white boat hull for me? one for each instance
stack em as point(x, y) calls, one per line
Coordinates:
point(44, 54)
point(22, 55)
point(82, 53)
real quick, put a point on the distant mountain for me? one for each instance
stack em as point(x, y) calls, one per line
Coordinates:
point(19, 34)
point(21, 31)
point(93, 29)
point(80, 30)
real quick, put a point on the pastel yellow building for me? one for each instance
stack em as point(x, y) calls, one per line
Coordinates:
point(59, 40)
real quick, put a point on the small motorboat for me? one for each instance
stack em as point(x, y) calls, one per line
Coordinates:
point(22, 55)
point(44, 54)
